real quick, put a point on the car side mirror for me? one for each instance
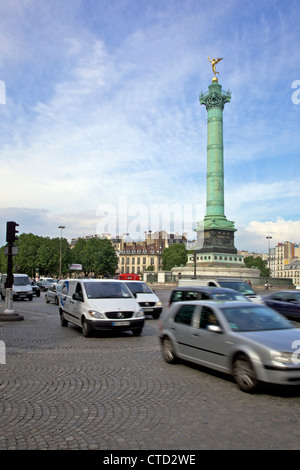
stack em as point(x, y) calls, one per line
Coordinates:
point(214, 328)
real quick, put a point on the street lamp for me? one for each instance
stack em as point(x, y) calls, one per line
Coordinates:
point(60, 248)
point(269, 238)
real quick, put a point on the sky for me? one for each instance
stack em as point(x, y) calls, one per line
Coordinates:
point(101, 129)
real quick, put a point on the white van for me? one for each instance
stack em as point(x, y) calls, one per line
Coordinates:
point(21, 288)
point(145, 296)
point(230, 283)
point(99, 304)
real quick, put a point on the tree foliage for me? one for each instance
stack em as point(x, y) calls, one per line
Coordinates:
point(174, 255)
point(97, 256)
point(258, 263)
point(42, 255)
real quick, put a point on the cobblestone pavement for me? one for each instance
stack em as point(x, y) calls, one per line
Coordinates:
point(59, 390)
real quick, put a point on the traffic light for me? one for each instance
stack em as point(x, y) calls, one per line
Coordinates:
point(11, 232)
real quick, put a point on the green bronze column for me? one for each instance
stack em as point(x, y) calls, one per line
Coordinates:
point(215, 232)
point(214, 101)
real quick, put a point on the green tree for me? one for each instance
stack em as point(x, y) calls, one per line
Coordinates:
point(26, 259)
point(97, 256)
point(174, 255)
point(258, 263)
point(48, 256)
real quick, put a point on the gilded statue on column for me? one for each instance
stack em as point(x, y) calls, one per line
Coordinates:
point(213, 65)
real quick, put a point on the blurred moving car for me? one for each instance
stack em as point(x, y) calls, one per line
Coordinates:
point(146, 298)
point(285, 302)
point(218, 294)
point(52, 294)
point(44, 285)
point(252, 342)
point(35, 289)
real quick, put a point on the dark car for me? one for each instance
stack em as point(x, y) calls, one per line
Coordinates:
point(44, 285)
point(35, 289)
point(217, 294)
point(285, 302)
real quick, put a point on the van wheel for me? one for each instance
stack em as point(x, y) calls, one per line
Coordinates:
point(30, 297)
point(168, 351)
point(63, 321)
point(86, 330)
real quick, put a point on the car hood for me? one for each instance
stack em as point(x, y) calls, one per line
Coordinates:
point(280, 340)
point(114, 304)
point(146, 297)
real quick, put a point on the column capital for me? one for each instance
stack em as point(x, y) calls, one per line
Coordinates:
point(215, 97)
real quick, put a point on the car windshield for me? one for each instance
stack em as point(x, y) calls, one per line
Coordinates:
point(254, 318)
point(21, 281)
point(221, 297)
point(106, 290)
point(138, 287)
point(241, 287)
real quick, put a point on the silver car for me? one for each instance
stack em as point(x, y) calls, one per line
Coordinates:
point(52, 294)
point(250, 341)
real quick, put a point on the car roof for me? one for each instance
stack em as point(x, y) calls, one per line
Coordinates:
point(217, 305)
point(207, 289)
point(84, 279)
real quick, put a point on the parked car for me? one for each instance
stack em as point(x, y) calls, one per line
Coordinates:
point(52, 294)
point(98, 304)
point(252, 342)
point(35, 289)
point(218, 294)
point(146, 298)
point(285, 302)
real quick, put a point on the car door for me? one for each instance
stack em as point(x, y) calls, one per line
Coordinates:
point(292, 306)
point(210, 347)
point(279, 303)
point(182, 327)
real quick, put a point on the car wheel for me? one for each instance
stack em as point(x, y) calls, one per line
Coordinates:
point(86, 330)
point(56, 300)
point(63, 321)
point(168, 351)
point(155, 316)
point(46, 300)
point(244, 374)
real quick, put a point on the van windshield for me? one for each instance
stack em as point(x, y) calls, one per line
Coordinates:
point(106, 290)
point(138, 287)
point(21, 281)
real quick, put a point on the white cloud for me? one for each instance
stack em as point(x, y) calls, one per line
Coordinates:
point(105, 103)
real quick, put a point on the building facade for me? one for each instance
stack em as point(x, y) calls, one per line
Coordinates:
point(140, 256)
point(285, 261)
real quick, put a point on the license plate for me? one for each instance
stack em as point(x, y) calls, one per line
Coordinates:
point(121, 323)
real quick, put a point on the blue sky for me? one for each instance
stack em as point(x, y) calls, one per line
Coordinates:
point(101, 126)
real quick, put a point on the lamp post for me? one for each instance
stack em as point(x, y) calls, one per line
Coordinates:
point(269, 238)
point(60, 248)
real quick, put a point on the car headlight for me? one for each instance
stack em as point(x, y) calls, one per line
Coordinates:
point(96, 314)
point(139, 313)
point(282, 357)
point(158, 304)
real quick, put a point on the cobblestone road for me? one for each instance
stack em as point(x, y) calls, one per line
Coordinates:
point(59, 390)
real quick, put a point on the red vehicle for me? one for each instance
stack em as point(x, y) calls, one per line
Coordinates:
point(129, 277)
